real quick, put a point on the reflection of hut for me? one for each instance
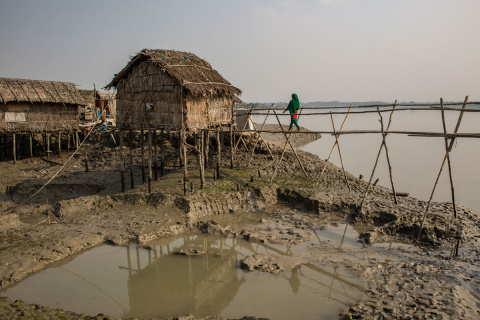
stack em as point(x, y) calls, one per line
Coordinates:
point(107, 100)
point(32, 106)
point(203, 285)
point(174, 90)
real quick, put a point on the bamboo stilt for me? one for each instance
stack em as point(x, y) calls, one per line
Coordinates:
point(219, 152)
point(447, 150)
point(206, 148)
point(31, 146)
point(142, 139)
point(230, 129)
point(155, 157)
point(384, 136)
point(14, 148)
point(122, 164)
point(162, 156)
point(184, 152)
point(132, 173)
point(60, 144)
point(149, 138)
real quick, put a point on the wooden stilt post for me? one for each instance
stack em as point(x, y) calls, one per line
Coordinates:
point(331, 151)
point(155, 156)
point(48, 145)
point(206, 147)
point(184, 153)
point(149, 161)
point(60, 144)
point(339, 152)
point(31, 146)
point(230, 129)
point(122, 163)
point(162, 156)
point(447, 152)
point(142, 147)
point(14, 148)
point(384, 136)
point(68, 141)
point(132, 173)
point(199, 155)
point(77, 142)
point(23, 146)
point(219, 151)
point(452, 141)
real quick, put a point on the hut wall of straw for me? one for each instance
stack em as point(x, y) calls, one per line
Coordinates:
point(38, 117)
point(203, 112)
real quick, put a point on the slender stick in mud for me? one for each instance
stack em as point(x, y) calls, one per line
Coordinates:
point(230, 129)
point(376, 162)
point(331, 151)
point(219, 151)
point(162, 155)
point(31, 146)
point(14, 148)
point(447, 152)
point(452, 141)
point(142, 141)
point(340, 152)
point(130, 143)
point(122, 164)
point(183, 149)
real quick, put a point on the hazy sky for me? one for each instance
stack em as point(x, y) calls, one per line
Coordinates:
point(347, 50)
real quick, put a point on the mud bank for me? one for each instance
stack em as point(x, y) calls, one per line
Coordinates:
point(418, 280)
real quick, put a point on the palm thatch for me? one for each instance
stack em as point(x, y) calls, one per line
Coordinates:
point(38, 106)
point(186, 69)
point(22, 90)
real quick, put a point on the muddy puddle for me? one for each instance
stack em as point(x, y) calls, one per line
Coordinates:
point(205, 280)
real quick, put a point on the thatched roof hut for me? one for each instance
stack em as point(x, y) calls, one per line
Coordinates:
point(38, 106)
point(172, 89)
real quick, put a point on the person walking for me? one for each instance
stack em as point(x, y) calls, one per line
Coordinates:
point(293, 108)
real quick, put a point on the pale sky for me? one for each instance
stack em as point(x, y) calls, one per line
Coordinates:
point(346, 50)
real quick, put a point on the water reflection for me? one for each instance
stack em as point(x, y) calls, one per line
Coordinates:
point(141, 283)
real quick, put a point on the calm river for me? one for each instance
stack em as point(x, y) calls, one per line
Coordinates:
point(415, 161)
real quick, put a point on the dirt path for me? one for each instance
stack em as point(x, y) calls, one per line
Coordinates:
point(416, 281)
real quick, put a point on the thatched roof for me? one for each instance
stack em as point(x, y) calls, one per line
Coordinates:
point(32, 91)
point(185, 68)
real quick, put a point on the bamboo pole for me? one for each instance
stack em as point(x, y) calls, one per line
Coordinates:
point(447, 150)
point(31, 146)
point(452, 141)
point(230, 129)
point(155, 157)
point(122, 164)
point(60, 144)
point(14, 148)
point(219, 152)
point(142, 139)
point(340, 153)
point(162, 155)
point(132, 178)
point(384, 136)
point(149, 138)
point(331, 151)
point(184, 152)
point(199, 156)
point(376, 163)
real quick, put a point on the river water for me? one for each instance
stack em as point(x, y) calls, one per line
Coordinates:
point(415, 161)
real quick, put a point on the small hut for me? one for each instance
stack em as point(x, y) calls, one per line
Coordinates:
point(30, 107)
point(172, 89)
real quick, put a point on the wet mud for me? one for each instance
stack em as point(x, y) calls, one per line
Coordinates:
point(406, 273)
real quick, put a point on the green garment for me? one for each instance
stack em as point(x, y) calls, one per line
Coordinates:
point(294, 104)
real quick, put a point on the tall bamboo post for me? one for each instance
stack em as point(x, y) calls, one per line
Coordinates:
point(60, 144)
point(206, 148)
point(31, 146)
point(48, 145)
point(199, 155)
point(184, 152)
point(230, 129)
point(339, 152)
point(155, 157)
point(376, 162)
point(142, 139)
point(77, 140)
point(384, 136)
point(68, 141)
point(149, 137)
point(122, 164)
point(130, 144)
point(219, 151)
point(331, 151)
point(162, 155)
point(452, 141)
point(14, 148)
point(447, 152)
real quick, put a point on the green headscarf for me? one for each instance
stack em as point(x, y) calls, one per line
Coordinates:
point(294, 104)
